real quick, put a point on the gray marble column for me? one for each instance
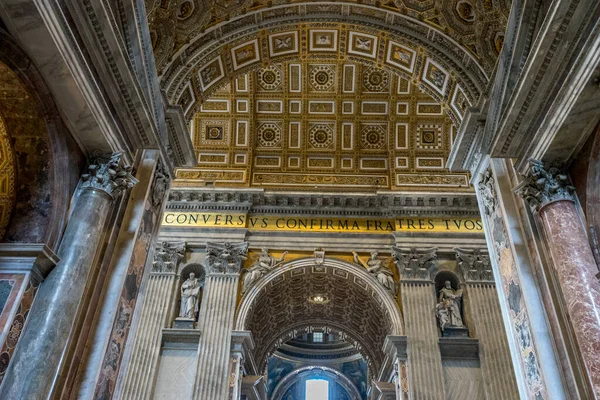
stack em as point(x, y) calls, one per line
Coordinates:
point(426, 378)
point(138, 379)
point(484, 317)
point(35, 363)
point(223, 265)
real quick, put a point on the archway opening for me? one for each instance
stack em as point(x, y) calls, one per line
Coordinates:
point(337, 302)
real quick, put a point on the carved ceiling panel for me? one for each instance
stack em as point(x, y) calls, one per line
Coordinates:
point(349, 307)
point(325, 123)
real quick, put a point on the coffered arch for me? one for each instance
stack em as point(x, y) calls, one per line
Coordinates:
point(427, 56)
point(354, 305)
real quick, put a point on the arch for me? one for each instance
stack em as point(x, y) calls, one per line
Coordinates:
point(290, 379)
point(279, 305)
point(197, 269)
point(442, 276)
point(186, 77)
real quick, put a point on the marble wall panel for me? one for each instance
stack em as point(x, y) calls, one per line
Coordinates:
point(129, 298)
point(176, 374)
point(463, 379)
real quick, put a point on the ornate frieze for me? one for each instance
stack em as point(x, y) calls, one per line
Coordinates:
point(108, 175)
point(167, 256)
point(225, 258)
point(415, 264)
point(543, 185)
point(474, 265)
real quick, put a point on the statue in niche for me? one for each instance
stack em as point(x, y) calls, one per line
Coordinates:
point(375, 266)
point(190, 291)
point(448, 307)
point(264, 264)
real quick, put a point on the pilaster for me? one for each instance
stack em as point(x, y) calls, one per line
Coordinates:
point(482, 310)
point(417, 289)
point(224, 262)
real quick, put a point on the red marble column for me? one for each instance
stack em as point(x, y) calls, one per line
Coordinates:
point(575, 269)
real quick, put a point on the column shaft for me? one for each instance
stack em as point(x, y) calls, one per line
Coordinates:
point(575, 269)
point(216, 324)
point(35, 363)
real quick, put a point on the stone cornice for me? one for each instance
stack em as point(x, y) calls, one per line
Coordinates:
point(380, 204)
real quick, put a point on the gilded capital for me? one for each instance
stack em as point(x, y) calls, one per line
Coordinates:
point(543, 185)
point(108, 175)
point(225, 258)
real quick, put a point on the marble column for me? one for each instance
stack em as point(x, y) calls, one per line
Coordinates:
point(484, 318)
point(223, 265)
point(138, 379)
point(551, 197)
point(426, 378)
point(35, 363)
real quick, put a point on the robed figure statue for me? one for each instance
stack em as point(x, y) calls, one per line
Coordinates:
point(190, 290)
point(449, 306)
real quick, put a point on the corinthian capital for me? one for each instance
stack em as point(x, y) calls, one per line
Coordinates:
point(167, 256)
point(225, 258)
point(476, 267)
point(544, 185)
point(108, 175)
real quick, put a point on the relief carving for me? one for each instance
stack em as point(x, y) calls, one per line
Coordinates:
point(381, 272)
point(263, 264)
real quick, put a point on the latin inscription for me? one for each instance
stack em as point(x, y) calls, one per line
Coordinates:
point(276, 223)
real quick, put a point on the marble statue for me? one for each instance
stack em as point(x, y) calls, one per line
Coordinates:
point(262, 266)
point(375, 266)
point(190, 291)
point(448, 307)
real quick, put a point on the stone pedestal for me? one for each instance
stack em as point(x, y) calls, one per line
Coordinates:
point(183, 323)
point(223, 265)
point(550, 196)
point(53, 313)
point(455, 332)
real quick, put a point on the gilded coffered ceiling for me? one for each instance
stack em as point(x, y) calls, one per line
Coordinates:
point(328, 124)
point(343, 96)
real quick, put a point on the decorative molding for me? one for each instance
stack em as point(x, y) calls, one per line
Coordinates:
point(225, 258)
point(167, 256)
point(108, 175)
point(543, 185)
point(414, 264)
point(476, 267)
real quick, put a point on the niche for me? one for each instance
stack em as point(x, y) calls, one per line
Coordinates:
point(189, 295)
point(449, 305)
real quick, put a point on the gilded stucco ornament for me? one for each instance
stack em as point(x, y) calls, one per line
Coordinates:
point(263, 264)
point(474, 265)
point(167, 256)
point(381, 272)
point(414, 264)
point(543, 185)
point(109, 175)
point(225, 258)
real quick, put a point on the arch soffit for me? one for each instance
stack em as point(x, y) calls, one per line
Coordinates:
point(386, 303)
point(423, 48)
point(290, 379)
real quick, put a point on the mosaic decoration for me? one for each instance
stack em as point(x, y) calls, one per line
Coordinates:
point(7, 179)
point(283, 138)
